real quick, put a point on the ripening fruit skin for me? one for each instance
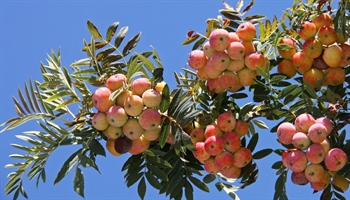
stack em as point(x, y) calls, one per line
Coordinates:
point(116, 81)
point(132, 129)
point(150, 119)
point(319, 63)
point(232, 141)
point(313, 76)
point(320, 185)
point(326, 122)
point(200, 152)
point(254, 60)
point(341, 182)
point(100, 99)
point(303, 122)
point(335, 76)
point(99, 121)
point(333, 55)
point(210, 166)
point(140, 85)
point(229, 81)
point(116, 116)
point(220, 61)
point(326, 145)
point(133, 105)
point(113, 132)
point(139, 145)
point(314, 172)
point(151, 98)
point(224, 160)
point(236, 51)
point(317, 133)
point(232, 172)
point(236, 65)
point(214, 86)
point(242, 157)
point(335, 159)
point(287, 68)
point(285, 132)
point(152, 135)
point(287, 54)
point(233, 37)
point(226, 122)
point(212, 129)
point(301, 62)
point(307, 30)
point(299, 178)
point(312, 48)
point(345, 47)
point(197, 59)
point(197, 135)
point(246, 76)
point(110, 147)
point(219, 39)
point(122, 97)
point(301, 141)
point(246, 31)
point(296, 161)
point(315, 153)
point(248, 47)
point(241, 128)
point(214, 145)
point(208, 50)
point(327, 35)
point(122, 144)
point(323, 19)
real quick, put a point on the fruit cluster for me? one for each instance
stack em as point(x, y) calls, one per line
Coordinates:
point(218, 146)
point(322, 56)
point(312, 160)
point(132, 119)
point(228, 61)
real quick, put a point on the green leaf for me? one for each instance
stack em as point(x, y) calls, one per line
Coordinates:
point(253, 142)
point(93, 30)
point(209, 178)
point(260, 124)
point(164, 132)
point(79, 182)
point(147, 63)
point(262, 153)
point(188, 191)
point(141, 188)
point(120, 36)
point(153, 181)
point(287, 90)
point(164, 104)
point(160, 174)
point(310, 90)
point(133, 178)
point(130, 46)
point(199, 184)
point(158, 162)
point(277, 165)
point(111, 31)
point(96, 147)
point(67, 166)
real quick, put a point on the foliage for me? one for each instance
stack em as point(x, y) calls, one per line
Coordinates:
point(61, 104)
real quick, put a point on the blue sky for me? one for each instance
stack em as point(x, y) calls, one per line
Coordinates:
point(30, 29)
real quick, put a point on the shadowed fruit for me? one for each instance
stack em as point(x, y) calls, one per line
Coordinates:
point(232, 172)
point(320, 185)
point(287, 68)
point(314, 77)
point(122, 144)
point(214, 86)
point(235, 65)
point(152, 135)
point(111, 148)
point(133, 105)
point(200, 152)
point(197, 135)
point(346, 54)
point(241, 128)
point(151, 98)
point(314, 172)
point(122, 97)
point(246, 76)
point(335, 76)
point(208, 50)
point(299, 178)
point(113, 132)
point(341, 182)
point(254, 60)
point(210, 166)
point(236, 51)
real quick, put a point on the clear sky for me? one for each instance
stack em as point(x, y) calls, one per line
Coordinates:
point(30, 29)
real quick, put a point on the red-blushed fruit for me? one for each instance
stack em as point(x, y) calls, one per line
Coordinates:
point(200, 152)
point(333, 55)
point(301, 141)
point(287, 53)
point(233, 37)
point(214, 145)
point(299, 178)
point(319, 63)
point(241, 128)
point(314, 172)
point(254, 60)
point(327, 35)
point(246, 76)
point(197, 135)
point(211, 71)
point(314, 77)
point(315, 153)
point(224, 160)
point(317, 133)
point(341, 182)
point(119, 101)
point(296, 161)
point(219, 39)
point(301, 62)
point(208, 50)
point(303, 122)
point(100, 99)
point(226, 122)
point(345, 47)
point(116, 81)
point(122, 144)
point(236, 51)
point(140, 85)
point(113, 132)
point(110, 147)
point(132, 129)
point(197, 59)
point(232, 141)
point(220, 60)
point(326, 145)
point(214, 86)
point(232, 172)
point(335, 159)
point(229, 81)
point(150, 119)
point(334, 76)
point(152, 135)
point(246, 31)
point(202, 74)
point(307, 30)
point(320, 185)
point(210, 166)
point(242, 157)
point(212, 129)
point(99, 121)
point(312, 48)
point(284, 156)
point(248, 47)
point(116, 116)
point(235, 65)
point(323, 19)
point(326, 122)
point(287, 68)
point(151, 98)
point(133, 105)
point(139, 145)
point(285, 132)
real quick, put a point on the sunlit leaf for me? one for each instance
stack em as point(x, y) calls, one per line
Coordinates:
point(131, 44)
point(111, 31)
point(120, 36)
point(67, 166)
point(79, 182)
point(93, 30)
